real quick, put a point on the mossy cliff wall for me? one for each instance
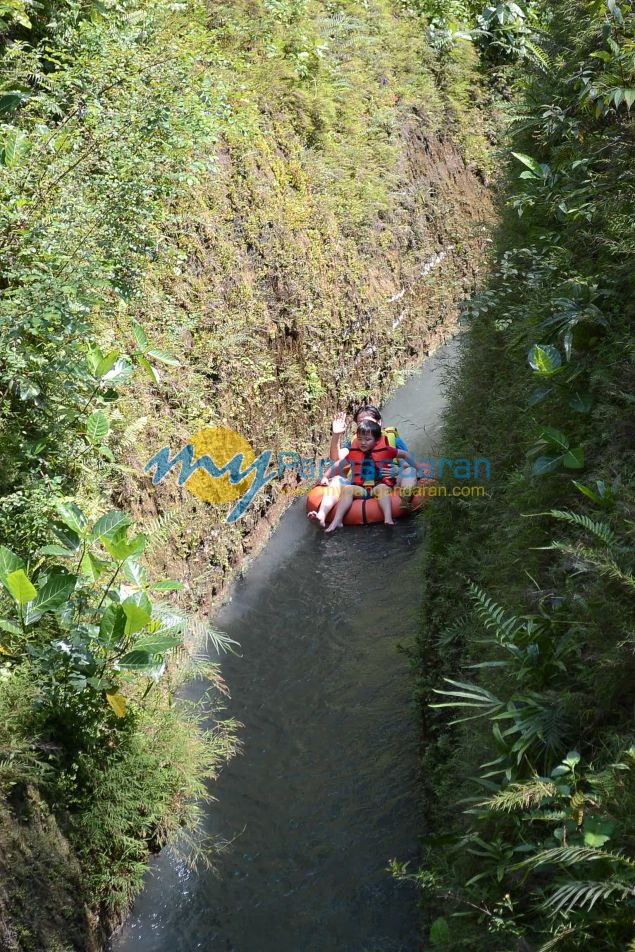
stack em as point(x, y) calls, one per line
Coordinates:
point(344, 219)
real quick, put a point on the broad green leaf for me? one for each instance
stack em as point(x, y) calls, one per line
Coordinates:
point(93, 356)
point(107, 452)
point(550, 435)
point(20, 586)
point(152, 372)
point(120, 549)
point(546, 464)
point(529, 162)
point(15, 147)
point(167, 585)
point(113, 624)
point(574, 459)
point(581, 402)
point(11, 100)
point(139, 335)
point(108, 524)
point(69, 539)
point(9, 562)
point(539, 394)
point(97, 426)
point(141, 599)
point(72, 516)
point(136, 660)
point(106, 363)
point(57, 589)
point(596, 831)
point(117, 702)
point(157, 644)
point(56, 550)
point(92, 566)
point(439, 932)
point(135, 573)
point(120, 372)
point(11, 627)
point(163, 358)
point(544, 358)
point(136, 617)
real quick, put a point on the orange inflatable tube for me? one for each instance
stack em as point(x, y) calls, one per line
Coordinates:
point(365, 511)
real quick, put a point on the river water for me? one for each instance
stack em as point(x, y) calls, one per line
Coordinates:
point(325, 791)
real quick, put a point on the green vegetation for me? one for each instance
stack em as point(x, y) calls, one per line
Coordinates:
point(217, 216)
point(526, 653)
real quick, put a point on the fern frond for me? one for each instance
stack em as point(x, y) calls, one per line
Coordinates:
point(560, 937)
point(547, 816)
point(539, 56)
point(599, 529)
point(130, 434)
point(519, 796)
point(455, 631)
point(158, 529)
point(493, 615)
point(591, 559)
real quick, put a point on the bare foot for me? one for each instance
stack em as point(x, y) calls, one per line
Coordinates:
point(333, 526)
point(388, 522)
point(314, 517)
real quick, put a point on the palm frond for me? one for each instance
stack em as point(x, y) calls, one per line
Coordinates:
point(471, 696)
point(570, 855)
point(580, 893)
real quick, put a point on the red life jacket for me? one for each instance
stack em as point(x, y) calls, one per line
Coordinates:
point(381, 453)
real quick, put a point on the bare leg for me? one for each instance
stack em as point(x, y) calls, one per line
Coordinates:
point(406, 480)
point(331, 496)
point(382, 492)
point(344, 504)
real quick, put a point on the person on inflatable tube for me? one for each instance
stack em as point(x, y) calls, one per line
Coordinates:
point(406, 477)
point(366, 462)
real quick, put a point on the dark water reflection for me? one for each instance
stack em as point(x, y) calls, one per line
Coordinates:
point(325, 791)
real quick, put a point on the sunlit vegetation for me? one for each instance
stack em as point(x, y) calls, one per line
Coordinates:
point(526, 653)
point(204, 212)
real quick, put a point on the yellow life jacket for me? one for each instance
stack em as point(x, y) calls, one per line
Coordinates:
point(391, 433)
